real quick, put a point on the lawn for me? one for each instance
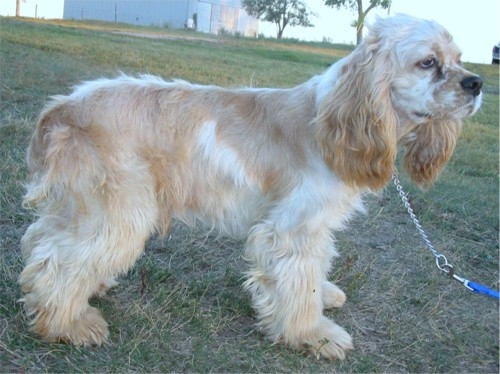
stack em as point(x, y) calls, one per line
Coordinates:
point(182, 307)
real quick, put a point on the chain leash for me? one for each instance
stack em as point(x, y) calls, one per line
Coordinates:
point(440, 259)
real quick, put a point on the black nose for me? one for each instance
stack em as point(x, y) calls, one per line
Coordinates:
point(472, 85)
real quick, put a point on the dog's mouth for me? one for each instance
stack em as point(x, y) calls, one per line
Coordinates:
point(462, 111)
point(468, 109)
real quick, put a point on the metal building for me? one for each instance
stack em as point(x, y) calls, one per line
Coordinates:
point(211, 16)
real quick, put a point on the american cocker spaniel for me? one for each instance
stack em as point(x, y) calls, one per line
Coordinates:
point(118, 159)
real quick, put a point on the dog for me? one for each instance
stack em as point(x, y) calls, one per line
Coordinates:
point(118, 159)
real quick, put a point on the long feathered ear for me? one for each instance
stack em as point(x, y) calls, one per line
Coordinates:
point(428, 148)
point(356, 123)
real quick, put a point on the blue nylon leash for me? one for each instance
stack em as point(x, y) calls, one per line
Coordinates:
point(470, 285)
point(441, 261)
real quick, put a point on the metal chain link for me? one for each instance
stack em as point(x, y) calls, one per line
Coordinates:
point(441, 260)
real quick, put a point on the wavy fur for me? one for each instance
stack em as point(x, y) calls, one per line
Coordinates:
point(118, 159)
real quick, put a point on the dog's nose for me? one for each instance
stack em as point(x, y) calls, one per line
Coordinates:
point(472, 85)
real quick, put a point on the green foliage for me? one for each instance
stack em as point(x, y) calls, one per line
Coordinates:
point(280, 12)
point(357, 6)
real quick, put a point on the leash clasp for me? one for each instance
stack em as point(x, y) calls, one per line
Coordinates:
point(450, 271)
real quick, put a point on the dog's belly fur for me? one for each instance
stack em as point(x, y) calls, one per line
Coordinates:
point(232, 216)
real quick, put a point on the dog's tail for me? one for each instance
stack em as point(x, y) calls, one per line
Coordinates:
point(64, 156)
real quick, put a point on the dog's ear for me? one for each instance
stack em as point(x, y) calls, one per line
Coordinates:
point(356, 123)
point(428, 148)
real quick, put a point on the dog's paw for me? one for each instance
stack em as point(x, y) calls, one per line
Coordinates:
point(329, 340)
point(332, 296)
point(105, 285)
point(89, 329)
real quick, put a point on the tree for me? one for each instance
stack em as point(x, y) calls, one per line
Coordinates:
point(357, 5)
point(280, 12)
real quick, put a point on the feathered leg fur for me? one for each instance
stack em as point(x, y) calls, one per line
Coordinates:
point(93, 224)
point(288, 284)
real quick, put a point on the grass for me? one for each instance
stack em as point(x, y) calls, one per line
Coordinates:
point(182, 308)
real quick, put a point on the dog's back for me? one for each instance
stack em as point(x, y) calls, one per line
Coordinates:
point(235, 148)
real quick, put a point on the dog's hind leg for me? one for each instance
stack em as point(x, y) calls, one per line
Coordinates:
point(94, 219)
point(68, 262)
point(287, 281)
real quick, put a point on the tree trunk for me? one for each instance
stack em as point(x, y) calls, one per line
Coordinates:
point(280, 31)
point(359, 34)
point(361, 19)
point(360, 23)
point(18, 8)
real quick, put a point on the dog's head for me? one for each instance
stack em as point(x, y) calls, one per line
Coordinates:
point(404, 83)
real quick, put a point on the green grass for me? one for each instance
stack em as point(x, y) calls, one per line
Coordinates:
point(182, 307)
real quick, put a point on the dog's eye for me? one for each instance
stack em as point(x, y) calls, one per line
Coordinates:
point(428, 63)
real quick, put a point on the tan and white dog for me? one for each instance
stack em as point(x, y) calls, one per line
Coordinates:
point(118, 159)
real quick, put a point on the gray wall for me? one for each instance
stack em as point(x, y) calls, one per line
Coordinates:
point(212, 15)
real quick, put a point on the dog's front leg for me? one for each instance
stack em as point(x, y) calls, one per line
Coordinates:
point(287, 281)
